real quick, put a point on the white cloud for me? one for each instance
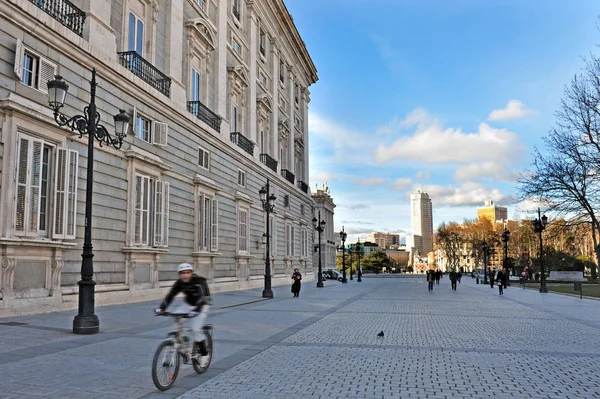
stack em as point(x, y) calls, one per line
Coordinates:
point(373, 181)
point(469, 193)
point(401, 183)
point(491, 170)
point(432, 143)
point(423, 175)
point(514, 109)
point(322, 177)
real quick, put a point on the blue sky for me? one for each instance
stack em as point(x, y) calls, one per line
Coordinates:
point(447, 96)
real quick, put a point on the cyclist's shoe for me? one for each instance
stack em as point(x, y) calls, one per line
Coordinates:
point(202, 349)
point(203, 361)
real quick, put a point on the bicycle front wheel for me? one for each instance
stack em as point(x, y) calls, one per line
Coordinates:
point(201, 363)
point(165, 365)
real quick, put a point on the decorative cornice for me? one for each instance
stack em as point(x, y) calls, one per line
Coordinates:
point(144, 156)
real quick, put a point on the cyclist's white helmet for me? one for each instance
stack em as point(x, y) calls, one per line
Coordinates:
point(184, 266)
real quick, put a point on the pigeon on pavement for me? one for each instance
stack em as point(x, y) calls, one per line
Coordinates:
point(380, 334)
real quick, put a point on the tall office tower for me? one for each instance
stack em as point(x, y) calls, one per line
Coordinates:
point(384, 240)
point(421, 214)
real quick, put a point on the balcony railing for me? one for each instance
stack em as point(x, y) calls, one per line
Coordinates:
point(64, 12)
point(269, 161)
point(236, 12)
point(243, 142)
point(289, 176)
point(203, 113)
point(146, 71)
point(303, 186)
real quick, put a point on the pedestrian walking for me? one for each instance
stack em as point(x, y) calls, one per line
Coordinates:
point(492, 275)
point(453, 277)
point(297, 278)
point(458, 276)
point(430, 279)
point(438, 276)
point(500, 282)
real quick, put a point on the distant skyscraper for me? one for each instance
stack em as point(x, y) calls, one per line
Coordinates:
point(421, 215)
point(492, 212)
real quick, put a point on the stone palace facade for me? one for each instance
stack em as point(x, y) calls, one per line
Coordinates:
point(217, 95)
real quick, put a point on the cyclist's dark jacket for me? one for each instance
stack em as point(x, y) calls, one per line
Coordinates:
point(196, 293)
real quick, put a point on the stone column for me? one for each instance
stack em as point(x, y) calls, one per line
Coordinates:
point(174, 50)
point(291, 111)
point(252, 118)
point(274, 130)
point(221, 74)
point(306, 95)
point(97, 30)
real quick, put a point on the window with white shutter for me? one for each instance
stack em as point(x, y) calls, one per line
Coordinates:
point(32, 69)
point(288, 241)
point(65, 193)
point(293, 241)
point(160, 133)
point(203, 158)
point(241, 178)
point(273, 231)
point(243, 229)
point(151, 218)
point(36, 186)
point(214, 238)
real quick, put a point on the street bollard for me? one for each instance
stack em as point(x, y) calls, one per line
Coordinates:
point(476, 280)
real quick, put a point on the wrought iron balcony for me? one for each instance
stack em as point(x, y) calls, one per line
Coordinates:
point(269, 161)
point(243, 142)
point(289, 176)
point(203, 113)
point(303, 186)
point(146, 71)
point(64, 12)
point(236, 12)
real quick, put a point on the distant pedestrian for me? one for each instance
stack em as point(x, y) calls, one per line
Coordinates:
point(297, 278)
point(438, 276)
point(430, 279)
point(453, 277)
point(500, 282)
point(459, 276)
point(492, 275)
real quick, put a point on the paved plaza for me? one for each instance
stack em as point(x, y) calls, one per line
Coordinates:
point(469, 343)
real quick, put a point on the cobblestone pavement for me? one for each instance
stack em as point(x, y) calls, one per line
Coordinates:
point(469, 343)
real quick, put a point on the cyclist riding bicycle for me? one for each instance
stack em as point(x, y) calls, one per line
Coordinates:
point(197, 295)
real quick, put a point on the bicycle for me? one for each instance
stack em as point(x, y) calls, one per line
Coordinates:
point(165, 365)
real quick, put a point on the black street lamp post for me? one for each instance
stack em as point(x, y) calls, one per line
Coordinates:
point(351, 249)
point(268, 203)
point(484, 247)
point(86, 321)
point(343, 236)
point(539, 225)
point(505, 239)
point(319, 226)
point(359, 269)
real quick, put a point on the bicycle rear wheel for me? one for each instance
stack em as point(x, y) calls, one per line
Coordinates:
point(201, 363)
point(165, 365)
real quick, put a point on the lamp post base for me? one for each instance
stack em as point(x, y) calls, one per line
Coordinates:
point(543, 289)
point(267, 293)
point(344, 280)
point(86, 322)
point(319, 284)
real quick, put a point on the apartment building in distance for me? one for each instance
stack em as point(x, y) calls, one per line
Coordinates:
point(384, 240)
point(492, 212)
point(217, 96)
point(421, 216)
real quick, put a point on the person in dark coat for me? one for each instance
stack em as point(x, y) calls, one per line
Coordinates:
point(492, 275)
point(297, 278)
point(500, 282)
point(430, 279)
point(453, 277)
point(438, 276)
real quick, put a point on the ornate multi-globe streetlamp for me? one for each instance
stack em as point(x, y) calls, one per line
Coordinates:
point(539, 225)
point(319, 226)
point(343, 237)
point(268, 204)
point(86, 321)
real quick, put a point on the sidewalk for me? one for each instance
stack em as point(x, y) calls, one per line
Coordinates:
point(41, 357)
